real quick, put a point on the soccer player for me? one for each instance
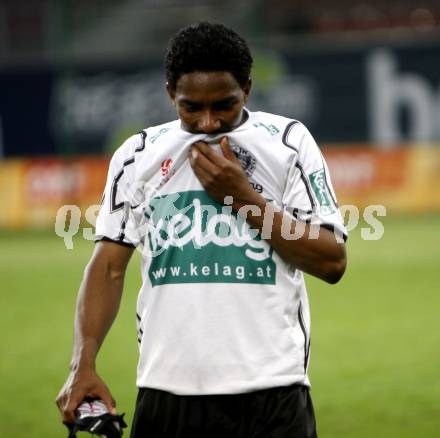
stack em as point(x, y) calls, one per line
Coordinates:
point(229, 207)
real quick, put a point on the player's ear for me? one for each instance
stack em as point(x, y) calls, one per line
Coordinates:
point(171, 92)
point(247, 89)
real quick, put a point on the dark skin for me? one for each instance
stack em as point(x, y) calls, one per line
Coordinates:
point(201, 100)
point(211, 103)
point(97, 305)
point(221, 176)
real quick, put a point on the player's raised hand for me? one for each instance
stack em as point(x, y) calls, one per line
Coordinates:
point(79, 385)
point(221, 174)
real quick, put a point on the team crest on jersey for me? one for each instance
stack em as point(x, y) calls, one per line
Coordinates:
point(247, 160)
point(248, 163)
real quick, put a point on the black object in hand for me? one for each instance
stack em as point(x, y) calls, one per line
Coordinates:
point(94, 417)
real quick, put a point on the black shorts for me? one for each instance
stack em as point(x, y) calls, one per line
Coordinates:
point(284, 412)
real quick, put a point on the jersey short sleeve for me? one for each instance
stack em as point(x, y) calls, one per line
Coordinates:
point(309, 194)
point(116, 220)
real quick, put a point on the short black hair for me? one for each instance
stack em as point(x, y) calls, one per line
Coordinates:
point(207, 47)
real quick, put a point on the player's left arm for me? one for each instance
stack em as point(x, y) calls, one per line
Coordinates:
point(221, 175)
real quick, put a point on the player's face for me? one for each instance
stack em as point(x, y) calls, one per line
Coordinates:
point(209, 102)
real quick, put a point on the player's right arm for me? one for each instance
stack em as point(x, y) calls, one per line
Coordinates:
point(97, 305)
point(101, 289)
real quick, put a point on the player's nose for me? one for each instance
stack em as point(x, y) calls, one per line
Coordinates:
point(208, 123)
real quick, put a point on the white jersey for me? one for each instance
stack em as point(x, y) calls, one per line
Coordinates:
point(219, 312)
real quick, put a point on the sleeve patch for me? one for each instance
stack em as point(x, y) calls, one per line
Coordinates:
point(322, 192)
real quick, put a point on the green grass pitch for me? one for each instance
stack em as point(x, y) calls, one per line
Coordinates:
point(375, 335)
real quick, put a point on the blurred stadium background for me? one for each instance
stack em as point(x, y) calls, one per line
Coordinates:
point(78, 77)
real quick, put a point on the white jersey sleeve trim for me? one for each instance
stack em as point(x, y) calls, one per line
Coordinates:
point(309, 194)
point(116, 221)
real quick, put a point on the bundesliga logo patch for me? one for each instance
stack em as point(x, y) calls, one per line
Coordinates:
point(166, 170)
point(165, 166)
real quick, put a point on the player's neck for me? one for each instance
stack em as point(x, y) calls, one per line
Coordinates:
point(244, 117)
